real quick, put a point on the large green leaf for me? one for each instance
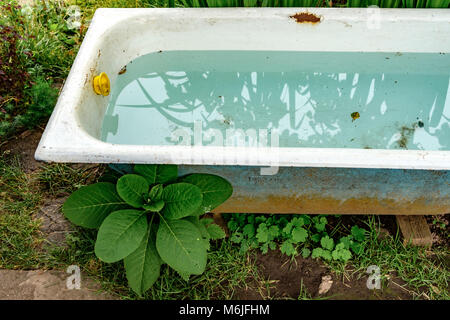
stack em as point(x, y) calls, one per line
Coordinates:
point(299, 235)
point(89, 206)
point(157, 173)
point(181, 200)
point(133, 189)
point(143, 265)
point(155, 193)
point(154, 206)
point(215, 231)
point(215, 189)
point(120, 234)
point(181, 246)
point(195, 220)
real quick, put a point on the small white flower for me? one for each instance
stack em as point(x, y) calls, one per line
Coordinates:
point(74, 25)
point(27, 11)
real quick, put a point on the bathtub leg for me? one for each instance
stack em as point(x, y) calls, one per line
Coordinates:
point(415, 230)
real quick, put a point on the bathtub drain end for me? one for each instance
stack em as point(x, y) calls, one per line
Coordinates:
point(101, 84)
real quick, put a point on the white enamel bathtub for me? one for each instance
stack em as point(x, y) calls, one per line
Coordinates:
point(118, 36)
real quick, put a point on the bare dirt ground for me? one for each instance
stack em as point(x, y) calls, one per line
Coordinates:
point(308, 278)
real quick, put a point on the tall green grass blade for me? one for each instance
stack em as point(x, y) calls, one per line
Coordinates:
point(438, 4)
point(222, 3)
point(250, 3)
point(391, 3)
point(421, 4)
point(354, 3)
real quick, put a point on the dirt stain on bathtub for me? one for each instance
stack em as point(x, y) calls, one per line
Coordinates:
point(319, 204)
point(123, 70)
point(405, 134)
point(227, 120)
point(306, 17)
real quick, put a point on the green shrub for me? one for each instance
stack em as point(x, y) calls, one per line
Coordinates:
point(35, 107)
point(151, 217)
point(42, 96)
point(13, 72)
point(52, 43)
point(38, 49)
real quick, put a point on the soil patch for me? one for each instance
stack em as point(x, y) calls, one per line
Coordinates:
point(290, 279)
point(287, 276)
point(53, 224)
point(24, 145)
point(356, 289)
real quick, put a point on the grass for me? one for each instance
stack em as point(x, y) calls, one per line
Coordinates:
point(92, 4)
point(59, 179)
point(425, 271)
point(19, 232)
point(226, 272)
point(21, 245)
point(89, 6)
point(316, 3)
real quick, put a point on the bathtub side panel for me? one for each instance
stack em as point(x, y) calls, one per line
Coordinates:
point(333, 190)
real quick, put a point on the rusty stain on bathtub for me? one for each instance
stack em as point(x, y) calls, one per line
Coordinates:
point(306, 17)
point(346, 24)
point(333, 190)
point(123, 70)
point(327, 205)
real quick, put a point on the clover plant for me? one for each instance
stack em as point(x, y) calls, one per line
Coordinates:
point(294, 234)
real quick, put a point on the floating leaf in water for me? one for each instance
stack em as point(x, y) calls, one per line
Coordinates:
point(355, 115)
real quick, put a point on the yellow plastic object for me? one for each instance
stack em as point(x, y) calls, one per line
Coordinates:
point(102, 85)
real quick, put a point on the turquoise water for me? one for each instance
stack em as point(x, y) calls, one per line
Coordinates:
point(305, 99)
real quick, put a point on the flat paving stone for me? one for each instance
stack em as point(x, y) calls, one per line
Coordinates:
point(46, 285)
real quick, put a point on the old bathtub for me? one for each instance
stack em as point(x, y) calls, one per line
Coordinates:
point(303, 110)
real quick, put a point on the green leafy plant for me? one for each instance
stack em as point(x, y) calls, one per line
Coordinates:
point(13, 72)
point(37, 52)
point(150, 217)
point(294, 234)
